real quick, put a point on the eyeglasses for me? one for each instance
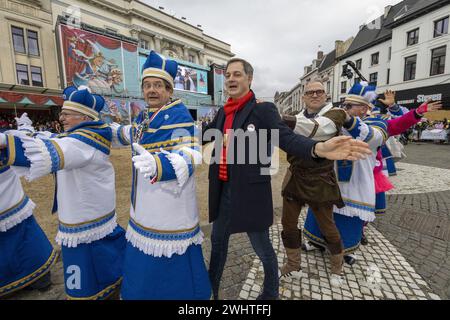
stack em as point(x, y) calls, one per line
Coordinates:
point(318, 93)
point(156, 85)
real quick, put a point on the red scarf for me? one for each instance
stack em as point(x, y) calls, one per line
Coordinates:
point(231, 108)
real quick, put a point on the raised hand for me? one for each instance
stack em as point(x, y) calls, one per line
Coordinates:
point(429, 106)
point(343, 148)
point(144, 161)
point(389, 98)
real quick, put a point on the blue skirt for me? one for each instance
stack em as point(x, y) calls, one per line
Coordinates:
point(390, 166)
point(380, 203)
point(181, 277)
point(350, 229)
point(93, 271)
point(26, 255)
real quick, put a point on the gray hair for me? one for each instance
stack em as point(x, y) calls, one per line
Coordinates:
point(248, 69)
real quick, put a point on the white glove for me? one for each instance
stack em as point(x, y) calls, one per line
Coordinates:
point(3, 140)
point(144, 161)
point(24, 123)
point(114, 126)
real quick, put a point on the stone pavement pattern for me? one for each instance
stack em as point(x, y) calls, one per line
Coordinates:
point(418, 221)
point(381, 272)
point(408, 256)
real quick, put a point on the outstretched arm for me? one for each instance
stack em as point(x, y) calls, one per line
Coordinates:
point(44, 156)
point(401, 124)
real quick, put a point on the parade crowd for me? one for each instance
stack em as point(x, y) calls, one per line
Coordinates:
point(40, 123)
point(340, 162)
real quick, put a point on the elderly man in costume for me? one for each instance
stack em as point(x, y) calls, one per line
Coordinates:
point(164, 258)
point(399, 120)
point(359, 181)
point(26, 255)
point(92, 242)
point(312, 182)
point(355, 178)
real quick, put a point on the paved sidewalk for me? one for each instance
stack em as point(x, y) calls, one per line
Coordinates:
point(408, 256)
point(381, 272)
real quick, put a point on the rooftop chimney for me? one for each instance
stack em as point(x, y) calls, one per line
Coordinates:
point(386, 10)
point(319, 55)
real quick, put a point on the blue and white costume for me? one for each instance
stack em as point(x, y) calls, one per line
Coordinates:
point(26, 255)
point(389, 168)
point(356, 182)
point(92, 242)
point(164, 258)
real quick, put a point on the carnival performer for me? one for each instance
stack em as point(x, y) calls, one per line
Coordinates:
point(92, 242)
point(26, 254)
point(164, 258)
point(396, 125)
point(388, 108)
point(312, 182)
point(356, 178)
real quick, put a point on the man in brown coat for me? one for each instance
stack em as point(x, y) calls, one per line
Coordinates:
point(312, 183)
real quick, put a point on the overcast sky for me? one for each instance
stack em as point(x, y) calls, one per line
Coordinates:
point(278, 37)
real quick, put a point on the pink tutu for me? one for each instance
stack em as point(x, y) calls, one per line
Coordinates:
point(382, 183)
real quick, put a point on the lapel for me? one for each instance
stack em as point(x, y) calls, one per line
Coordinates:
point(243, 114)
point(220, 119)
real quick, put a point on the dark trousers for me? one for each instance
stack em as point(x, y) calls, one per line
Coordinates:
point(219, 248)
point(324, 218)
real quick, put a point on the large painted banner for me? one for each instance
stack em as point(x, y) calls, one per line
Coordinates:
point(107, 65)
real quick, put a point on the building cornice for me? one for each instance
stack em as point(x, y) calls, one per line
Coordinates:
point(368, 46)
point(147, 17)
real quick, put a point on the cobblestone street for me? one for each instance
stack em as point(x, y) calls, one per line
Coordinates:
point(408, 256)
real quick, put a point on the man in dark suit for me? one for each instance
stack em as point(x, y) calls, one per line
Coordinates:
point(240, 194)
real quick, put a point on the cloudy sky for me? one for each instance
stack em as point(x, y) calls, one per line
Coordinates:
point(279, 37)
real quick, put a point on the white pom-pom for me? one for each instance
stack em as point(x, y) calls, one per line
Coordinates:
point(370, 96)
point(85, 88)
point(364, 83)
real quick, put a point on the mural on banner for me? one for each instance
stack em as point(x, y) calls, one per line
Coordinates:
point(189, 79)
point(116, 110)
point(96, 61)
point(136, 106)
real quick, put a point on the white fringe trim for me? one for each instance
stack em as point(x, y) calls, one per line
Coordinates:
point(363, 131)
point(196, 155)
point(17, 218)
point(181, 168)
point(159, 248)
point(72, 240)
point(354, 212)
point(37, 153)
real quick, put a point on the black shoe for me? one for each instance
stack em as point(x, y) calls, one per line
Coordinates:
point(350, 260)
point(262, 296)
point(364, 240)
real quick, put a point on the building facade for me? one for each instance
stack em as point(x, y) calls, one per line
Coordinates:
point(28, 66)
point(405, 50)
point(103, 44)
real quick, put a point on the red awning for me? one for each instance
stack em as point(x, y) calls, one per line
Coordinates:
point(30, 98)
